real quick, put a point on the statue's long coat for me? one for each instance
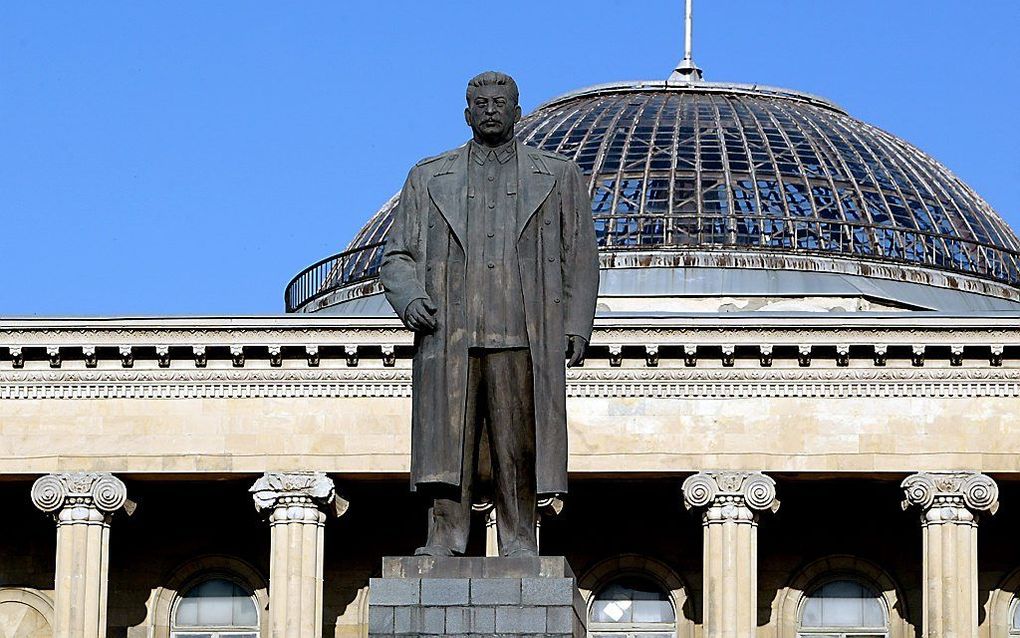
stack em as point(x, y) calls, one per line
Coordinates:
point(425, 257)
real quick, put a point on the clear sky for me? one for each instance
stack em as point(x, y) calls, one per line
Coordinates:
point(190, 157)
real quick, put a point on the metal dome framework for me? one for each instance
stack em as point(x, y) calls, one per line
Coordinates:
point(721, 167)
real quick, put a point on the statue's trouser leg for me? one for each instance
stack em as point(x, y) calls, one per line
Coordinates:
point(509, 389)
point(450, 515)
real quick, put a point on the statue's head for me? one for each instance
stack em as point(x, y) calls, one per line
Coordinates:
point(492, 108)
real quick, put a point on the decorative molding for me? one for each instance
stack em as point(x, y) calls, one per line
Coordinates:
point(297, 497)
point(127, 357)
point(917, 352)
point(804, 355)
point(950, 497)
point(312, 354)
point(730, 496)
point(651, 355)
point(80, 497)
point(275, 355)
point(615, 356)
point(881, 354)
point(389, 355)
point(163, 356)
point(351, 355)
point(588, 382)
point(956, 355)
point(728, 353)
point(843, 355)
point(308, 356)
point(53, 354)
point(201, 359)
point(690, 355)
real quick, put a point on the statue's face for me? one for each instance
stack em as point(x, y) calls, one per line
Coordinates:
point(492, 113)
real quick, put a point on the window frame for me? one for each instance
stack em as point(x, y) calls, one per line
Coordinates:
point(215, 631)
point(632, 629)
point(1012, 628)
point(843, 632)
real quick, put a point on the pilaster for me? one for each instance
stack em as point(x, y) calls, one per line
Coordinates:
point(730, 502)
point(950, 505)
point(297, 504)
point(82, 503)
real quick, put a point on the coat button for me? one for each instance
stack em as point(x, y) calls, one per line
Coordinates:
point(492, 204)
point(491, 234)
point(548, 221)
point(556, 299)
point(491, 178)
point(492, 265)
point(551, 259)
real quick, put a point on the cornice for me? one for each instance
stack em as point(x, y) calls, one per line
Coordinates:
point(760, 354)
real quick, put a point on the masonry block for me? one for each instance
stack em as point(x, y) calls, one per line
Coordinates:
point(392, 592)
point(475, 598)
point(445, 591)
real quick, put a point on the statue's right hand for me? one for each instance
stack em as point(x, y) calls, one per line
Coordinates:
point(420, 315)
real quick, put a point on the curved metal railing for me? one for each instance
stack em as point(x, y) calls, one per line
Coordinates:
point(617, 233)
point(332, 273)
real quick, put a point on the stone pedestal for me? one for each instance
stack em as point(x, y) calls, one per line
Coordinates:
point(82, 504)
point(468, 597)
point(731, 502)
point(297, 504)
point(950, 504)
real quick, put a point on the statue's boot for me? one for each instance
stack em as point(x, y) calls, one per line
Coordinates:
point(433, 550)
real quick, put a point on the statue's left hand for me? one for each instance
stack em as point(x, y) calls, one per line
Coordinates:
point(576, 345)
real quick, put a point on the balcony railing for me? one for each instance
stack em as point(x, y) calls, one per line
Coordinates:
point(869, 242)
point(333, 273)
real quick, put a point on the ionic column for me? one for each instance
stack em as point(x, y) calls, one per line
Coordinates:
point(297, 504)
point(82, 503)
point(950, 503)
point(731, 502)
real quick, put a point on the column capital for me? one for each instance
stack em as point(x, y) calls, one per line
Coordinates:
point(297, 496)
point(80, 497)
point(730, 496)
point(950, 497)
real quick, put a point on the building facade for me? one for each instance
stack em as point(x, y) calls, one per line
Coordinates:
point(796, 418)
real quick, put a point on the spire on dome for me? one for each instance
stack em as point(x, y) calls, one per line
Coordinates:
point(687, 71)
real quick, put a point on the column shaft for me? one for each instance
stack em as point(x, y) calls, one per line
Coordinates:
point(295, 583)
point(82, 503)
point(950, 503)
point(730, 553)
point(730, 576)
point(295, 503)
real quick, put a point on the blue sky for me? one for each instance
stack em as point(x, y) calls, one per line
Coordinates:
point(190, 157)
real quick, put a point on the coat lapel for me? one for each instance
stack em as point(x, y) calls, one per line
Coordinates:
point(534, 181)
point(448, 189)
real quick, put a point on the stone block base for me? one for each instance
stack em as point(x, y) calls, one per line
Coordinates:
point(475, 597)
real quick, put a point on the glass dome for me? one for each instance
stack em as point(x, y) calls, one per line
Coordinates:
point(711, 170)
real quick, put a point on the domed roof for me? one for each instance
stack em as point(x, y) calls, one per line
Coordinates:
point(726, 175)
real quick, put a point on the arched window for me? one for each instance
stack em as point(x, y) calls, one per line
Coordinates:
point(1014, 615)
point(843, 609)
point(216, 608)
point(632, 607)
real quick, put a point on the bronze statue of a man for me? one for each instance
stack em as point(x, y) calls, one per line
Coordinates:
point(492, 262)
